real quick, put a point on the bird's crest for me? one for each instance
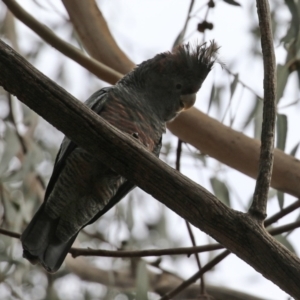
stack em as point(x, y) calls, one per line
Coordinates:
point(188, 60)
point(196, 55)
point(193, 59)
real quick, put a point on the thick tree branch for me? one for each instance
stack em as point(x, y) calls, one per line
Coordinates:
point(235, 149)
point(236, 231)
point(87, 18)
point(99, 69)
point(259, 205)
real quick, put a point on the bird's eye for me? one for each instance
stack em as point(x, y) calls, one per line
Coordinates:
point(178, 86)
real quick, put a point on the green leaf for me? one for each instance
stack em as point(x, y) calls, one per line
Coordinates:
point(142, 284)
point(272, 193)
point(201, 157)
point(280, 198)
point(129, 214)
point(294, 150)
point(11, 148)
point(285, 242)
point(220, 190)
point(253, 112)
point(232, 2)
point(294, 25)
point(282, 78)
point(258, 118)
point(282, 127)
point(233, 85)
point(217, 98)
point(211, 98)
point(10, 209)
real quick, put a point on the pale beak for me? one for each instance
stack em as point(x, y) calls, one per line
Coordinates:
point(187, 101)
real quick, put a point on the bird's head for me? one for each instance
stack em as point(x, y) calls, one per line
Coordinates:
point(169, 81)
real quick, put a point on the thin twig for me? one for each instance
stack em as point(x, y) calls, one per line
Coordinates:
point(122, 253)
point(242, 83)
point(155, 252)
point(284, 228)
point(260, 197)
point(195, 277)
point(10, 233)
point(188, 226)
point(144, 253)
point(181, 35)
point(178, 154)
point(282, 213)
point(220, 257)
point(100, 70)
point(205, 18)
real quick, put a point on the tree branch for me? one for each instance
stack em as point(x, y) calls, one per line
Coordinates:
point(99, 69)
point(218, 259)
point(87, 18)
point(159, 283)
point(188, 225)
point(259, 205)
point(195, 277)
point(75, 252)
point(235, 149)
point(235, 230)
point(282, 213)
point(144, 253)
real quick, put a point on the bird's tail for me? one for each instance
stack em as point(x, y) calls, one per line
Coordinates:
point(40, 243)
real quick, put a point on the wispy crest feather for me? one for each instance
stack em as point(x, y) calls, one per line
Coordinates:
point(193, 61)
point(197, 55)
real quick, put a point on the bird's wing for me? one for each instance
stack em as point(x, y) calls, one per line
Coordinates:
point(95, 103)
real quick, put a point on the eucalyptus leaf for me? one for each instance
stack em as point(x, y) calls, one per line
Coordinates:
point(280, 198)
point(129, 214)
point(272, 193)
point(233, 85)
point(282, 127)
point(282, 78)
point(294, 25)
point(10, 209)
point(256, 107)
point(258, 118)
point(220, 190)
point(11, 147)
point(285, 242)
point(142, 283)
point(295, 149)
point(232, 2)
point(211, 97)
